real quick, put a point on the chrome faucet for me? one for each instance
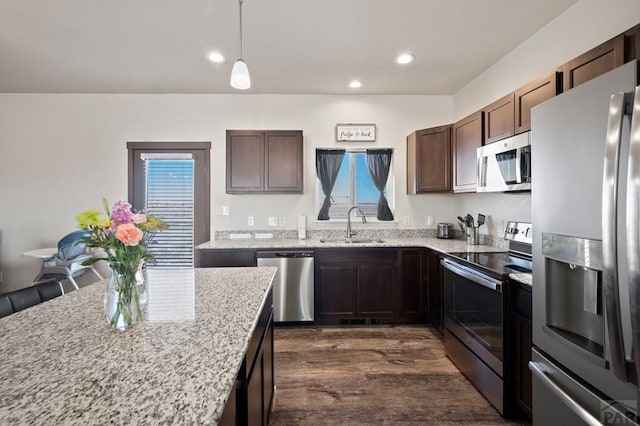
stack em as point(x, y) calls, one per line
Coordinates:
point(351, 233)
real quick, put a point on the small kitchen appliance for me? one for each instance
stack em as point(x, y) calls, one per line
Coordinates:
point(505, 165)
point(445, 230)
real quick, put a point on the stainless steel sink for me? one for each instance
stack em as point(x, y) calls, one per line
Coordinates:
point(354, 241)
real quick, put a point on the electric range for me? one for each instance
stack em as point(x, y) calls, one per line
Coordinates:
point(497, 264)
point(475, 311)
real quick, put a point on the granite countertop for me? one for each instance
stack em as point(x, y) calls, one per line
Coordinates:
point(523, 277)
point(63, 364)
point(441, 245)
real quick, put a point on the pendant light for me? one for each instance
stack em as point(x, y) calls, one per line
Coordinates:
point(240, 78)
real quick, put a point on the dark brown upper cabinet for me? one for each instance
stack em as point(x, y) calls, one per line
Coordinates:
point(429, 160)
point(593, 63)
point(499, 119)
point(260, 161)
point(531, 95)
point(467, 138)
point(632, 44)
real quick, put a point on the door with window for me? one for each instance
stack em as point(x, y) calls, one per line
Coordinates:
point(171, 181)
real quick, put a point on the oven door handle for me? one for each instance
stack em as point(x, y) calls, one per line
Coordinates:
point(472, 275)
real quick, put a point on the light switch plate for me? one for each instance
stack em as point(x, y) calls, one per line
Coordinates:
point(273, 221)
point(281, 221)
point(250, 221)
point(225, 210)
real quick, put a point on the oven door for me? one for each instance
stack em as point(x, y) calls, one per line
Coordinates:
point(473, 311)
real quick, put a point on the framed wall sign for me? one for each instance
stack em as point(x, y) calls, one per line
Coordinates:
point(355, 132)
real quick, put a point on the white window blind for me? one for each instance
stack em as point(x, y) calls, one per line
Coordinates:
point(169, 183)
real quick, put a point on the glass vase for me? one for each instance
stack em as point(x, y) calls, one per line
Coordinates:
point(121, 299)
point(141, 281)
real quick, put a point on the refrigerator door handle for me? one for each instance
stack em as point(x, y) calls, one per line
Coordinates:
point(537, 368)
point(609, 235)
point(633, 229)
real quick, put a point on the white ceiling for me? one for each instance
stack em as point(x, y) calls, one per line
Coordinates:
point(290, 46)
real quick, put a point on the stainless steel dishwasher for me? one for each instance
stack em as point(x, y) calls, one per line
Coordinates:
point(293, 283)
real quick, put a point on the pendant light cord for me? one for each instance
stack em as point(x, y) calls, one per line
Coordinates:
point(240, 2)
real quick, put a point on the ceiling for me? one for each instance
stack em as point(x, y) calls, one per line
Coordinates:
point(290, 46)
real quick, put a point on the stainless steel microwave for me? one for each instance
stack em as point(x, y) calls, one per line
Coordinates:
point(505, 165)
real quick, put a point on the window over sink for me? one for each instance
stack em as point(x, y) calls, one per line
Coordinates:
point(350, 177)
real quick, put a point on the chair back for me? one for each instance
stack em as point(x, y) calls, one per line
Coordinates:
point(24, 298)
point(5, 306)
point(69, 246)
point(49, 289)
point(29, 296)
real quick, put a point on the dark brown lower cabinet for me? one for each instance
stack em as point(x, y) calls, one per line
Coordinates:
point(230, 415)
point(522, 346)
point(435, 290)
point(376, 287)
point(253, 391)
point(216, 258)
point(335, 292)
point(356, 285)
point(251, 399)
point(413, 286)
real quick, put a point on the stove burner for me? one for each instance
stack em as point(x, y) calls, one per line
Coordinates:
point(497, 264)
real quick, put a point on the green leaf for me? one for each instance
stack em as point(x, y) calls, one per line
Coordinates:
point(93, 260)
point(105, 204)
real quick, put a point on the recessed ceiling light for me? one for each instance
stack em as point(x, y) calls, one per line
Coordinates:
point(405, 58)
point(217, 57)
point(355, 84)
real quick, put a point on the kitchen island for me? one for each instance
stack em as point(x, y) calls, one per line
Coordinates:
point(63, 364)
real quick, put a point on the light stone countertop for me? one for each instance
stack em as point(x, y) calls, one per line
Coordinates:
point(63, 364)
point(441, 245)
point(524, 278)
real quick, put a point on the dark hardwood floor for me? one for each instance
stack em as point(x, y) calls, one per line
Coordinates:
point(372, 375)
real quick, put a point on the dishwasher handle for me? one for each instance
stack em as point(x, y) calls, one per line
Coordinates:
point(284, 254)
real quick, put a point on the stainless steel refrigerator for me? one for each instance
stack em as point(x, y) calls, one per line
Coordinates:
point(586, 262)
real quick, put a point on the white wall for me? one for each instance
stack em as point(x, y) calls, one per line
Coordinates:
point(583, 26)
point(61, 154)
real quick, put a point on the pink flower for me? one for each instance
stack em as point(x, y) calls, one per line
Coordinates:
point(129, 234)
point(121, 213)
point(139, 218)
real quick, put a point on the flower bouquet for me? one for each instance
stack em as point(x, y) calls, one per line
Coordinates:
point(124, 236)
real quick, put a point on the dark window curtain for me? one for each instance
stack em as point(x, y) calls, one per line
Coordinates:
point(379, 163)
point(327, 166)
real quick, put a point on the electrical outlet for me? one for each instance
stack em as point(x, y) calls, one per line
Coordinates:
point(406, 220)
point(273, 221)
point(250, 221)
point(429, 220)
point(281, 221)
